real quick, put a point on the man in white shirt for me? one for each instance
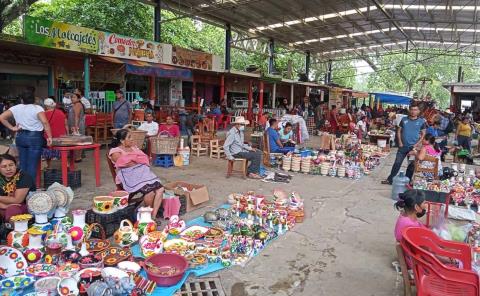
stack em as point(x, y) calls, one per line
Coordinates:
point(150, 126)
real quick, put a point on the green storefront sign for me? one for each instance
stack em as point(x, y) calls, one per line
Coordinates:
point(57, 35)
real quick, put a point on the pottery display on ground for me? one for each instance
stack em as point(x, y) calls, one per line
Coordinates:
point(35, 250)
point(15, 283)
point(41, 270)
point(67, 287)
point(42, 223)
point(120, 199)
point(126, 234)
point(12, 262)
point(79, 228)
point(18, 238)
point(60, 216)
point(47, 285)
point(145, 223)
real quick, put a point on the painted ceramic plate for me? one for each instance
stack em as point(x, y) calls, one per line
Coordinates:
point(41, 270)
point(113, 272)
point(113, 255)
point(16, 282)
point(176, 245)
point(41, 202)
point(47, 285)
point(193, 233)
point(97, 245)
point(61, 195)
point(12, 262)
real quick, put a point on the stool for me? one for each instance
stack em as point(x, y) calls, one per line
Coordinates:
point(216, 150)
point(163, 160)
point(231, 170)
point(199, 147)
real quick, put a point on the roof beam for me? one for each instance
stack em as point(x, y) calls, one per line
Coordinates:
point(387, 14)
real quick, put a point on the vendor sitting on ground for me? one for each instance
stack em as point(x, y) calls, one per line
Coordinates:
point(150, 126)
point(169, 129)
point(133, 170)
point(15, 185)
point(412, 205)
point(235, 147)
point(276, 145)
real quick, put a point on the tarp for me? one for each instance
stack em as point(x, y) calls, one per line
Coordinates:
point(391, 98)
point(151, 69)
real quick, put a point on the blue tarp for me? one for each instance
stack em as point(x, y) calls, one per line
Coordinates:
point(391, 98)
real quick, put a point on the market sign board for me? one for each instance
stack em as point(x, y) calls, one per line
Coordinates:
point(191, 59)
point(57, 35)
point(120, 46)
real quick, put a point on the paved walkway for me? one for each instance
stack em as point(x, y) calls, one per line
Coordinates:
point(344, 247)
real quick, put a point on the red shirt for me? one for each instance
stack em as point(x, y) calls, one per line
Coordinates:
point(172, 130)
point(56, 118)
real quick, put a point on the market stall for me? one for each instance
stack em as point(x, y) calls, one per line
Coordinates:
point(71, 257)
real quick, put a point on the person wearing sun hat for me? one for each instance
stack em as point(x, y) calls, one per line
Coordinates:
point(235, 147)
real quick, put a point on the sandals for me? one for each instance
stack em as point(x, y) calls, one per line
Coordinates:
point(254, 176)
point(386, 182)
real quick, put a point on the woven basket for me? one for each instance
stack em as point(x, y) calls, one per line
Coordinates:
point(138, 137)
point(164, 145)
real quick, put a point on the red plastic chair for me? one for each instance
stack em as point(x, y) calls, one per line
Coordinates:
point(432, 278)
point(435, 211)
point(424, 241)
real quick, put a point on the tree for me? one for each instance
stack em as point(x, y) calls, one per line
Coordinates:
point(401, 72)
point(105, 15)
point(11, 10)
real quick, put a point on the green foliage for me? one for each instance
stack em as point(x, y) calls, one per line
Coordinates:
point(14, 28)
point(401, 71)
point(125, 17)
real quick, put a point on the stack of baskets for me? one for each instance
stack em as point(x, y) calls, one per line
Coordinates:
point(306, 164)
point(296, 162)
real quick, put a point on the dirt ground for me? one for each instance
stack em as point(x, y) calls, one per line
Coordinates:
point(344, 247)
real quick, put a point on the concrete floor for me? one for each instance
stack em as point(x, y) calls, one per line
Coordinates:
point(344, 247)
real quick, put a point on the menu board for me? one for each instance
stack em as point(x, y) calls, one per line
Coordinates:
point(116, 45)
point(191, 59)
point(57, 35)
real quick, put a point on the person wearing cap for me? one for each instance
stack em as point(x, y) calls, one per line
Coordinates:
point(59, 125)
point(122, 111)
point(235, 147)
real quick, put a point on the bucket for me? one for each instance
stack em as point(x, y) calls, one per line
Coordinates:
point(185, 153)
point(381, 143)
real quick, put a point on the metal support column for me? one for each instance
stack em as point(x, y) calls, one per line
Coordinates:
point(157, 27)
point(307, 65)
point(271, 57)
point(152, 87)
point(250, 100)
point(274, 94)
point(260, 99)
point(51, 87)
point(222, 89)
point(228, 46)
point(292, 88)
point(329, 72)
point(86, 76)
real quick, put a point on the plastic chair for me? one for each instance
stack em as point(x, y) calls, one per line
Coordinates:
point(424, 241)
point(432, 278)
point(436, 211)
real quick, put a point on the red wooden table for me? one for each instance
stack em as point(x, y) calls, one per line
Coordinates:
point(64, 151)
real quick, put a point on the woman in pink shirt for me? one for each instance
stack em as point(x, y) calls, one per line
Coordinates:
point(169, 129)
point(412, 206)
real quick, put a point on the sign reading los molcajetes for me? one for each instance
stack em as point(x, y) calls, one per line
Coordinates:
point(52, 34)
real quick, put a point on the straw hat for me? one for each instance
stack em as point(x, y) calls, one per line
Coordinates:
point(240, 120)
point(49, 103)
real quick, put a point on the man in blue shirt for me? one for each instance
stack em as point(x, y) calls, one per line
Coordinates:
point(276, 145)
point(410, 133)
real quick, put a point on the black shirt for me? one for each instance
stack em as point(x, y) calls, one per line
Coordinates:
point(24, 181)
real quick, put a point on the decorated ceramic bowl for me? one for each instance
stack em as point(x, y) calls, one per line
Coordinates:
point(40, 270)
point(67, 286)
point(113, 272)
point(120, 199)
point(103, 204)
point(16, 282)
point(129, 266)
point(68, 270)
point(12, 262)
point(47, 285)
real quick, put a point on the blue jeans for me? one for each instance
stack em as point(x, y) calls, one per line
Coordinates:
point(30, 146)
point(283, 150)
point(401, 155)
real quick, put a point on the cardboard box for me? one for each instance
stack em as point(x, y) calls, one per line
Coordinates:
point(197, 195)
